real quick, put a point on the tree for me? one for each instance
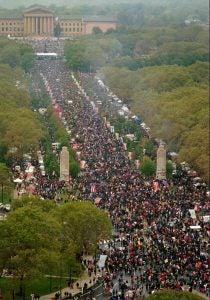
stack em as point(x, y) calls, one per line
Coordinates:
point(74, 169)
point(51, 164)
point(57, 30)
point(148, 167)
point(169, 169)
point(5, 184)
point(27, 61)
point(97, 30)
point(27, 249)
point(22, 131)
point(83, 226)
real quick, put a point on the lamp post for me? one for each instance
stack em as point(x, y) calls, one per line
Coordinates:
point(70, 273)
point(2, 192)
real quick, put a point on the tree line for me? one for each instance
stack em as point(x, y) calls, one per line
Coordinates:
point(39, 238)
point(162, 74)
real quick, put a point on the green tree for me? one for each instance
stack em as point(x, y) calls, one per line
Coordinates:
point(83, 226)
point(27, 61)
point(169, 169)
point(57, 30)
point(74, 169)
point(5, 183)
point(147, 167)
point(97, 30)
point(27, 249)
point(51, 164)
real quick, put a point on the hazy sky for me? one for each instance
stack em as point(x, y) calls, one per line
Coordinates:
point(26, 3)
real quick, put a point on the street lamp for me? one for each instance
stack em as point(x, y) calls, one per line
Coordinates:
point(70, 273)
point(2, 192)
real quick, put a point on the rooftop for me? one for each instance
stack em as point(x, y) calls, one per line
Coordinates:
point(99, 19)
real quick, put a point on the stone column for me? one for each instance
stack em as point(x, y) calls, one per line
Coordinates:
point(36, 25)
point(30, 25)
point(161, 162)
point(64, 164)
point(50, 25)
point(44, 21)
point(33, 25)
point(24, 25)
point(41, 25)
point(51, 29)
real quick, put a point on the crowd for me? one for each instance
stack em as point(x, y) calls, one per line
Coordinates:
point(162, 245)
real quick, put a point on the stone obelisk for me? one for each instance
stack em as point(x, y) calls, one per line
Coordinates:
point(64, 164)
point(161, 162)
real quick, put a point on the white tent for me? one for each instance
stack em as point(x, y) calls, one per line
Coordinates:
point(18, 180)
point(196, 227)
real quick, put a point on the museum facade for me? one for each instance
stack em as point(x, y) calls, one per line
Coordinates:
point(39, 21)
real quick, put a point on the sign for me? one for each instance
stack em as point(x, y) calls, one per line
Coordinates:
point(102, 260)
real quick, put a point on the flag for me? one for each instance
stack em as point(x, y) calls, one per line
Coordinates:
point(93, 187)
point(165, 183)
point(112, 129)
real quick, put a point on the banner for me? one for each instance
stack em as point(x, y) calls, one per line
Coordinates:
point(112, 129)
point(93, 187)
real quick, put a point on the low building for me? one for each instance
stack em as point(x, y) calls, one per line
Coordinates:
point(40, 21)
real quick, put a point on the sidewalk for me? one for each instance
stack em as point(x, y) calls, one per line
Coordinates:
point(84, 279)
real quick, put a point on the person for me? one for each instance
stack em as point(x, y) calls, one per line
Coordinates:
point(157, 241)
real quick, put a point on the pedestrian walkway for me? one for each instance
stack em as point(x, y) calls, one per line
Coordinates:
point(77, 286)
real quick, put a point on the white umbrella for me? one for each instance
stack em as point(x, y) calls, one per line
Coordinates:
point(18, 180)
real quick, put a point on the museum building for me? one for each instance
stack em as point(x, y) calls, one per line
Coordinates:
point(40, 21)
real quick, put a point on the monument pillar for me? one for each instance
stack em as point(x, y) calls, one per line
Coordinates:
point(45, 31)
point(64, 164)
point(24, 25)
point(33, 25)
point(51, 25)
point(40, 26)
point(161, 162)
point(36, 25)
point(46, 25)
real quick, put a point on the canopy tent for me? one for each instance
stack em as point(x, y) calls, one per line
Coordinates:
point(17, 180)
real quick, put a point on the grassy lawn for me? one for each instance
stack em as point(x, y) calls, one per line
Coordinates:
point(41, 286)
